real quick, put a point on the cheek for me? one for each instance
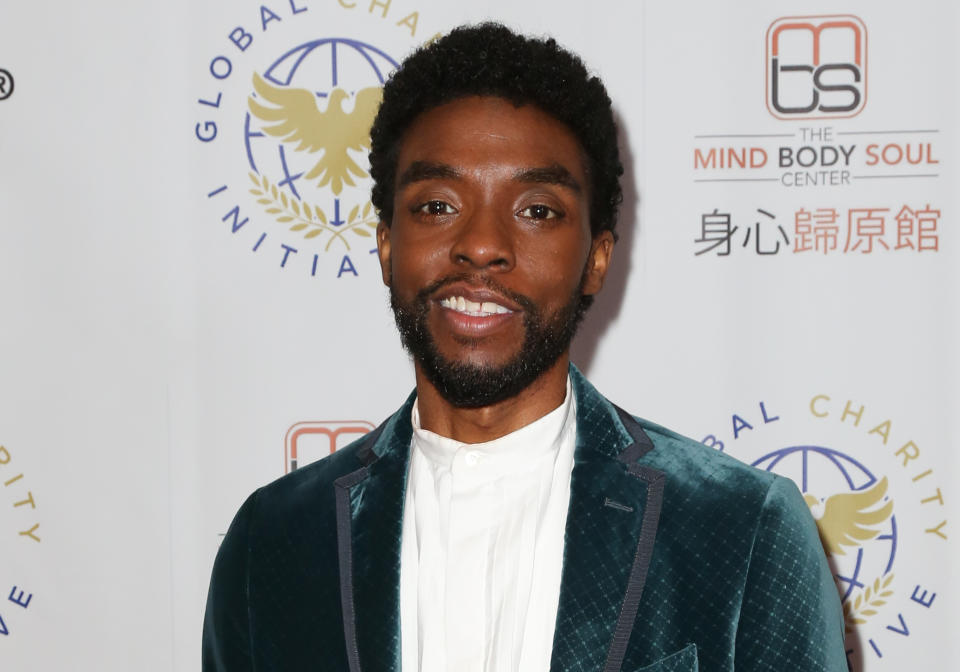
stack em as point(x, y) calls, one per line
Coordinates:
point(556, 268)
point(415, 262)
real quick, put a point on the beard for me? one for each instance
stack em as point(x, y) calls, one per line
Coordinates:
point(469, 385)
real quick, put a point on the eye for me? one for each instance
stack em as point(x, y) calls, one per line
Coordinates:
point(539, 211)
point(436, 208)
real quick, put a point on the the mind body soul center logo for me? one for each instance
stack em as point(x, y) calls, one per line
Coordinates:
point(816, 67)
point(302, 196)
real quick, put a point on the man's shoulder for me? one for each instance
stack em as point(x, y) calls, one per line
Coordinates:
point(686, 463)
point(310, 489)
point(677, 454)
point(310, 485)
point(706, 489)
point(710, 484)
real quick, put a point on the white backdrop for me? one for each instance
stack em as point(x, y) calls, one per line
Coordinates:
point(160, 359)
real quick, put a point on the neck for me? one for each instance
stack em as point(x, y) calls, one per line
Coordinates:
point(478, 425)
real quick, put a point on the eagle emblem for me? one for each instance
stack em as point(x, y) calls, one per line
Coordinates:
point(292, 115)
point(850, 518)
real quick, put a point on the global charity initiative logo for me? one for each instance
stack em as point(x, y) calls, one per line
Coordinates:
point(20, 529)
point(880, 513)
point(816, 67)
point(298, 111)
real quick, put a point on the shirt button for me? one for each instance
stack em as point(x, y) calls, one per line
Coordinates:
point(472, 459)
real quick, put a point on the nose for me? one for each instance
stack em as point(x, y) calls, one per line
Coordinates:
point(484, 241)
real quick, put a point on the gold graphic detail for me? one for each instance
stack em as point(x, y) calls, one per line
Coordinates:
point(848, 518)
point(311, 219)
point(867, 602)
point(296, 118)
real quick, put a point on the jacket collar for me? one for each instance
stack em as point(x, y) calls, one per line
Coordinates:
point(611, 524)
point(369, 504)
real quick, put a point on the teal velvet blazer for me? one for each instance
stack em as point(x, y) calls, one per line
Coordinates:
point(677, 558)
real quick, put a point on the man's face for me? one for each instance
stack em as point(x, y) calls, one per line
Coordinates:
point(489, 251)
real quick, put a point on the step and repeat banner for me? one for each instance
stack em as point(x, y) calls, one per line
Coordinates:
point(191, 306)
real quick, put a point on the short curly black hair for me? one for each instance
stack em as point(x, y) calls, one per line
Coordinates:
point(491, 60)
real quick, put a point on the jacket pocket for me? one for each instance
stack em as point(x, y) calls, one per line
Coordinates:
point(684, 660)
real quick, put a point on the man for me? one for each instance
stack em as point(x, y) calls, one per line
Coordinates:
point(508, 517)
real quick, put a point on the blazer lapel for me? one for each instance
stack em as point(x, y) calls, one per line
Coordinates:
point(369, 523)
point(610, 532)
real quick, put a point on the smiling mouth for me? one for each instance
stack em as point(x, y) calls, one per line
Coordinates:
point(465, 306)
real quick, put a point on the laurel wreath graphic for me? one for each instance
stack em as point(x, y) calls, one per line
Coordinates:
point(311, 219)
point(867, 602)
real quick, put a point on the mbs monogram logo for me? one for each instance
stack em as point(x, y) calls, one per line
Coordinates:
point(816, 67)
point(310, 441)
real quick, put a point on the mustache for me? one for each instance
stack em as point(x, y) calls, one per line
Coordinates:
point(424, 295)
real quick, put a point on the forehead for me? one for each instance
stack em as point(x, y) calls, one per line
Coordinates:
point(484, 133)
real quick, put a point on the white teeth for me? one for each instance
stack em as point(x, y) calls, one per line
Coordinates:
point(462, 305)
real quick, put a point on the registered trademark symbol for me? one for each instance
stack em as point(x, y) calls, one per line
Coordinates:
point(6, 84)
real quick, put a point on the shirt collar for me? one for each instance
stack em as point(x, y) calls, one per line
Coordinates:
point(522, 447)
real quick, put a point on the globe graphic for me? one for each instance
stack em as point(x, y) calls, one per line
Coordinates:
point(823, 472)
point(319, 66)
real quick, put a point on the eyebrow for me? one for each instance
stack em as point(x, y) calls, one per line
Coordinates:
point(419, 171)
point(554, 174)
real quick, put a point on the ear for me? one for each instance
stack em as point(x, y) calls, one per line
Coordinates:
point(598, 262)
point(383, 250)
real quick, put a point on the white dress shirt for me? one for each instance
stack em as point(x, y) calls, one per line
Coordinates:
point(482, 547)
